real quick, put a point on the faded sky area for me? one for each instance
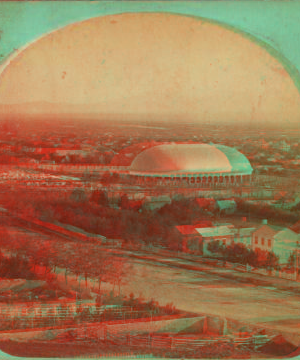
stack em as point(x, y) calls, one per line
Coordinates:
point(156, 64)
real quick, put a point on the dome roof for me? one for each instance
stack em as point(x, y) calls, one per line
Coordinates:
point(239, 162)
point(197, 158)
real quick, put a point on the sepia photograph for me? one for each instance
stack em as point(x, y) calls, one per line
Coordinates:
point(150, 179)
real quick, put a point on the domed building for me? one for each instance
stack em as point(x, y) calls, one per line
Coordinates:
point(189, 162)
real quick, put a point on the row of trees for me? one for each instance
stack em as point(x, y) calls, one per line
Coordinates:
point(239, 253)
point(16, 267)
point(87, 261)
point(91, 212)
point(266, 212)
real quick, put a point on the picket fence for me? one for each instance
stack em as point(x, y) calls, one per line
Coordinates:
point(186, 343)
point(249, 269)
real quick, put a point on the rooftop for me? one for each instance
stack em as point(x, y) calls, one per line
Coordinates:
point(216, 231)
point(190, 157)
point(191, 229)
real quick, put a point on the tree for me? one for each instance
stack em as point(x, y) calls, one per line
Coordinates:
point(78, 195)
point(124, 202)
point(215, 246)
point(291, 261)
point(99, 197)
point(236, 252)
point(87, 175)
point(106, 177)
point(45, 256)
point(120, 270)
point(102, 271)
point(272, 261)
point(252, 258)
point(86, 264)
point(115, 177)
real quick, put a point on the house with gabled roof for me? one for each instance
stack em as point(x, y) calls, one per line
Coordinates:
point(226, 206)
point(263, 237)
point(286, 242)
point(280, 240)
point(191, 240)
point(224, 234)
point(296, 227)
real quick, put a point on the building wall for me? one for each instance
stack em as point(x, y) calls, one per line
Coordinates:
point(263, 238)
point(192, 244)
point(285, 243)
point(244, 236)
point(243, 239)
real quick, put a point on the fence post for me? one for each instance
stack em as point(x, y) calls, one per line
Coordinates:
point(106, 337)
point(254, 342)
point(150, 340)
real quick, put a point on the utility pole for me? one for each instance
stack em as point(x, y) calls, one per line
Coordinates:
point(297, 263)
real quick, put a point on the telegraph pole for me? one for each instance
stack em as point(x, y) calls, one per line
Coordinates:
point(297, 263)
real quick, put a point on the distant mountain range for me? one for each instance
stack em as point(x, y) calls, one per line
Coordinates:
point(44, 107)
point(82, 111)
point(47, 110)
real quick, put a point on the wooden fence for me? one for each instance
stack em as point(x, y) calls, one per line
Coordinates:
point(190, 343)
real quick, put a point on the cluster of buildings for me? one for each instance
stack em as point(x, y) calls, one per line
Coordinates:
point(282, 241)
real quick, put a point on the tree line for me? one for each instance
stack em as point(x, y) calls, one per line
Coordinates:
point(239, 253)
point(82, 260)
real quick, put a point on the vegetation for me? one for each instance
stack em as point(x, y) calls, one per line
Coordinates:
point(16, 267)
point(239, 253)
point(278, 216)
point(63, 314)
point(27, 258)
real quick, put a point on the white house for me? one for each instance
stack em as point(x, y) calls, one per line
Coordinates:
point(286, 242)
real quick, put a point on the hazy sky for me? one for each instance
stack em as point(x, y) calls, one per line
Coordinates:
point(153, 63)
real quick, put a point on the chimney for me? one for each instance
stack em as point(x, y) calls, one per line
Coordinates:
point(265, 221)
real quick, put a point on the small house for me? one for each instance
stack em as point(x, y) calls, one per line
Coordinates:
point(224, 234)
point(286, 242)
point(263, 237)
point(226, 206)
point(190, 238)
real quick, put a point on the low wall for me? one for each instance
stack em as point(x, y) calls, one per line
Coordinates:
point(168, 324)
point(109, 330)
